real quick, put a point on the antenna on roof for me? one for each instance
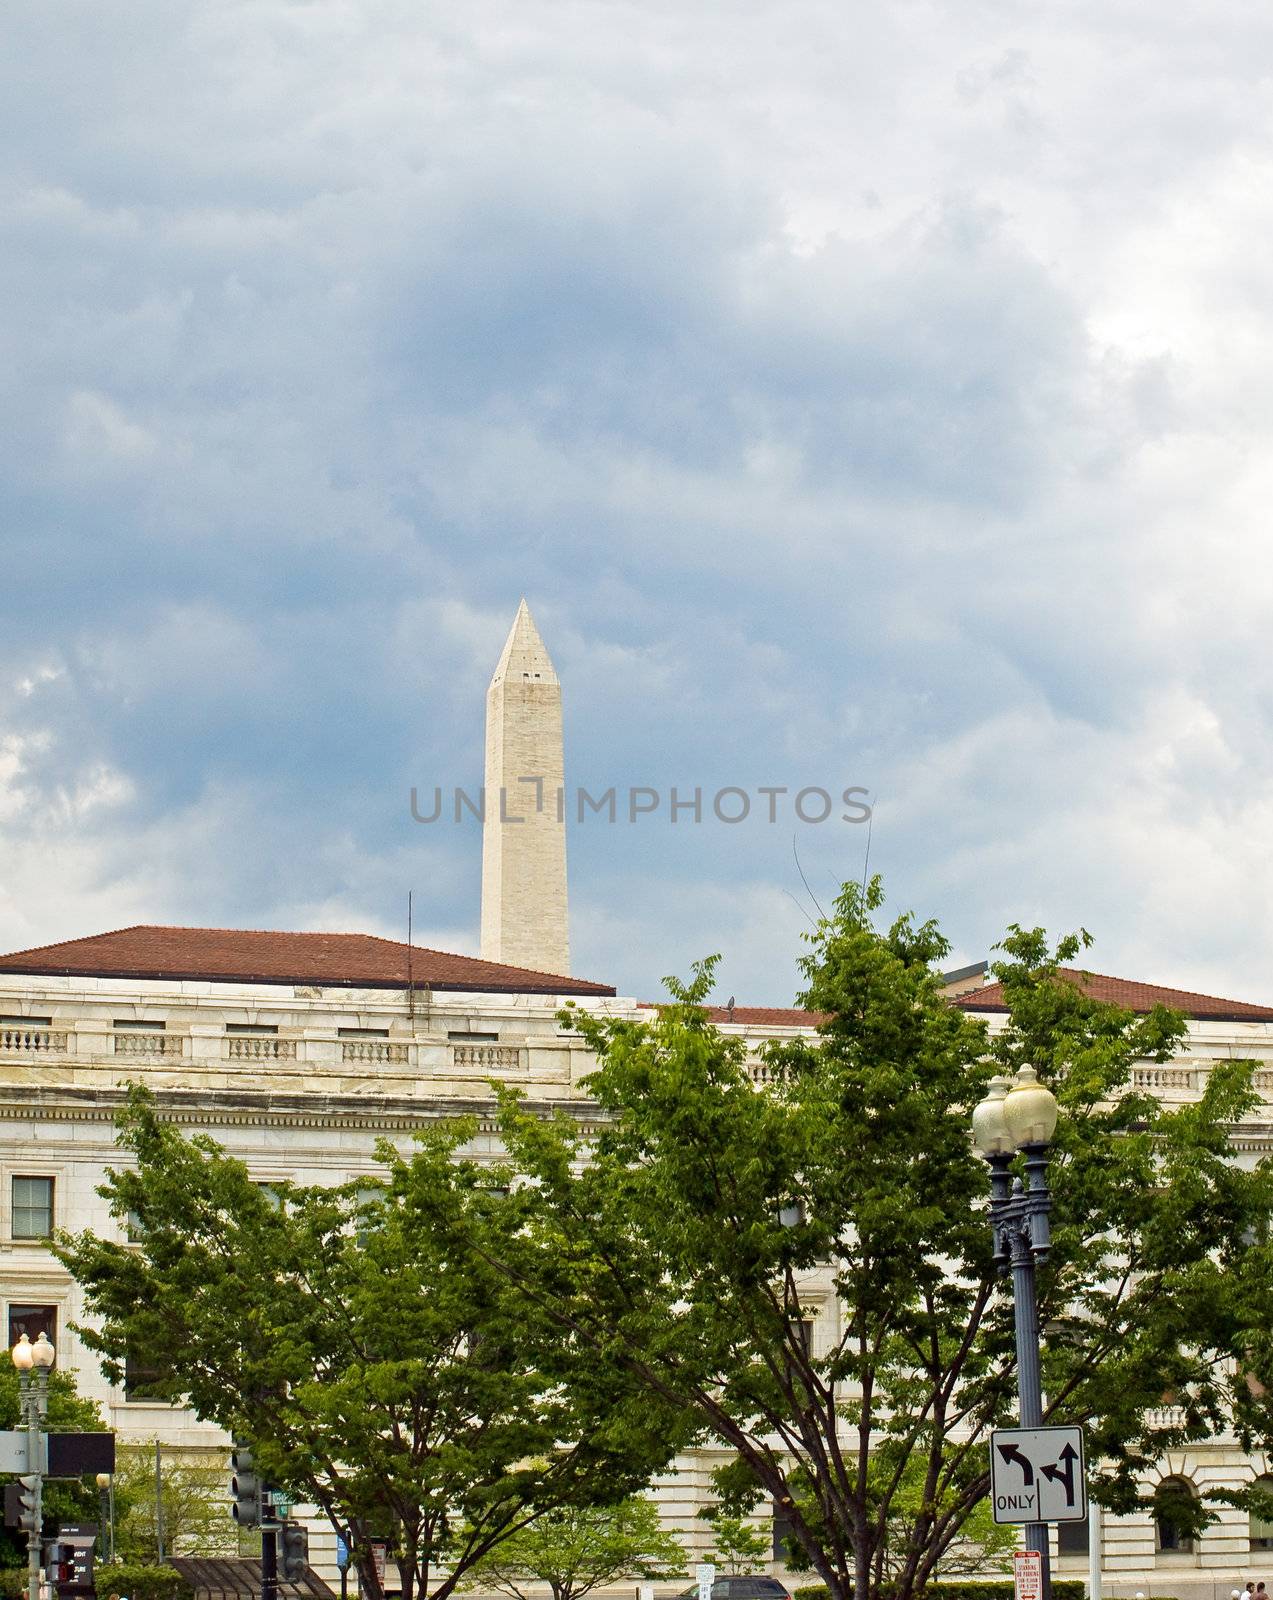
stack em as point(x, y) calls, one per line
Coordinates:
point(410, 985)
point(866, 859)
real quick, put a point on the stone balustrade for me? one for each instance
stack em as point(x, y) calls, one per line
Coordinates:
point(423, 1056)
point(1164, 1080)
point(1165, 1417)
point(372, 1050)
point(247, 1047)
point(486, 1057)
point(31, 1041)
point(148, 1044)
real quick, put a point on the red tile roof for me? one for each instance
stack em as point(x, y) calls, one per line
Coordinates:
point(767, 1016)
point(757, 1016)
point(1140, 997)
point(236, 955)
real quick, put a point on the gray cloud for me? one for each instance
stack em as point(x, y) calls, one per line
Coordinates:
point(870, 396)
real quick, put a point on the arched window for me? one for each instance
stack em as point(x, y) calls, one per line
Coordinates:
point(1262, 1527)
point(1174, 1505)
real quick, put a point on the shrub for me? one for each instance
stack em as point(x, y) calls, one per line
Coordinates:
point(972, 1589)
point(142, 1582)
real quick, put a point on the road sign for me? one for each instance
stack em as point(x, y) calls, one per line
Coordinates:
point(1038, 1475)
point(13, 1450)
point(1027, 1575)
point(705, 1577)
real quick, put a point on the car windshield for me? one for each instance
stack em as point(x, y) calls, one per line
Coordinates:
point(740, 1589)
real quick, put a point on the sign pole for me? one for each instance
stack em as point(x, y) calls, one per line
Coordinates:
point(30, 1398)
point(269, 1549)
point(159, 1501)
point(1093, 1550)
point(1030, 1389)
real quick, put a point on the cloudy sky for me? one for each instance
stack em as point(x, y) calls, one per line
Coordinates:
point(859, 394)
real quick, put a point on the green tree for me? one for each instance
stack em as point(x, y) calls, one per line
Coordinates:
point(983, 1546)
point(195, 1500)
point(692, 1239)
point(737, 1545)
point(580, 1548)
point(362, 1343)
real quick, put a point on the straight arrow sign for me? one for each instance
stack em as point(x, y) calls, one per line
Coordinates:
point(1062, 1471)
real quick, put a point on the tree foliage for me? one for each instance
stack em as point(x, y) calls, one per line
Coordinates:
point(581, 1548)
point(738, 1546)
point(661, 1243)
point(358, 1338)
point(194, 1499)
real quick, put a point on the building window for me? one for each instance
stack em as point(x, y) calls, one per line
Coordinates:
point(803, 1332)
point(473, 1038)
point(362, 1033)
point(252, 1030)
point(33, 1321)
point(784, 1532)
point(1072, 1538)
point(370, 1201)
point(32, 1208)
point(141, 1380)
point(137, 1025)
point(1174, 1503)
point(1262, 1527)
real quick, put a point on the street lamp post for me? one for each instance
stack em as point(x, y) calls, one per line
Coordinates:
point(106, 1488)
point(1021, 1115)
point(33, 1362)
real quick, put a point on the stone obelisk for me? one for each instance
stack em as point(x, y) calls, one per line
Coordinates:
point(524, 913)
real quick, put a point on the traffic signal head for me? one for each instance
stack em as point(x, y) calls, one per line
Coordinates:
point(293, 1551)
point(29, 1502)
point(245, 1486)
point(69, 1567)
point(58, 1562)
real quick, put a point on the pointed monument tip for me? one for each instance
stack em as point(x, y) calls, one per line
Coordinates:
point(524, 655)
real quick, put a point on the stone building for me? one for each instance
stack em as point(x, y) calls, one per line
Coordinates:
point(296, 1052)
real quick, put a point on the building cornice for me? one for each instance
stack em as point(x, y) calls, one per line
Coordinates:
point(249, 1109)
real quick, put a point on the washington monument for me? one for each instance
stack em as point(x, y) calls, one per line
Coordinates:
point(525, 922)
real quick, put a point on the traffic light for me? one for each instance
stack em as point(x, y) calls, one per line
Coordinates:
point(245, 1486)
point(59, 1564)
point(68, 1565)
point(29, 1502)
point(293, 1551)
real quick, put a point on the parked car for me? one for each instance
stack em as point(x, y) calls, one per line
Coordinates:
point(735, 1587)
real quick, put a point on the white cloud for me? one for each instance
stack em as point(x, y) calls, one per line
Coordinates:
point(873, 395)
point(98, 429)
